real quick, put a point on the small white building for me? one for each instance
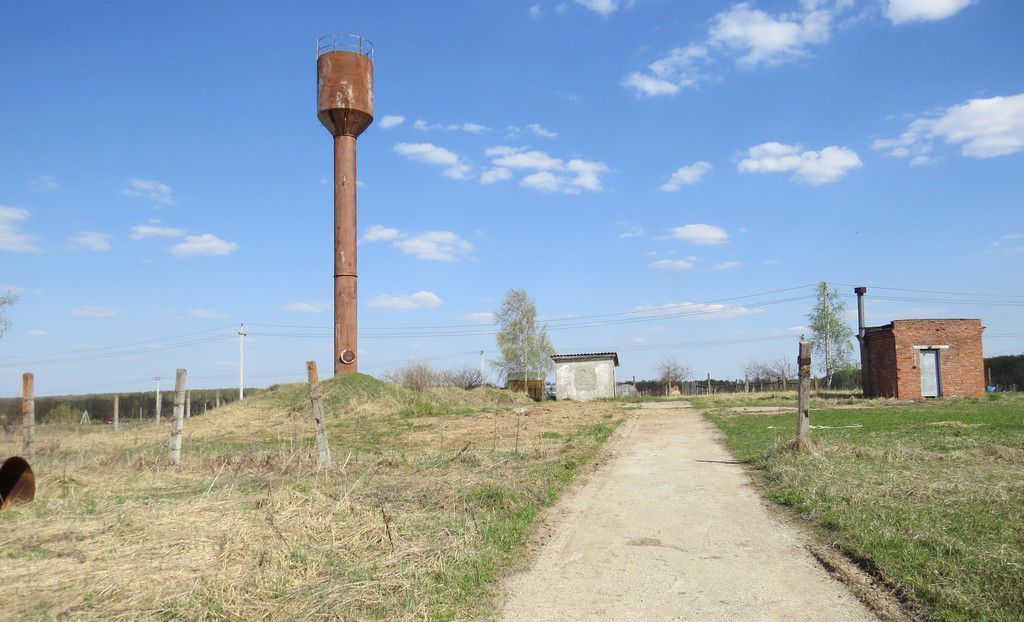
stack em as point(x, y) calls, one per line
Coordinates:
point(585, 377)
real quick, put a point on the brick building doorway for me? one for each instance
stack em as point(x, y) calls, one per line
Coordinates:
point(931, 383)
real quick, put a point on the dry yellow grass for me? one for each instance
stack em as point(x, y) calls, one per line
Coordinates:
point(427, 501)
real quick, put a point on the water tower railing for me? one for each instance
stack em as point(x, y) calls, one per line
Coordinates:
point(344, 42)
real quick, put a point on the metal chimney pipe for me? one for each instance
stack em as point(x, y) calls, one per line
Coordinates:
point(345, 107)
point(860, 291)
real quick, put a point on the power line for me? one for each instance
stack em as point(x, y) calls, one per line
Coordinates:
point(929, 291)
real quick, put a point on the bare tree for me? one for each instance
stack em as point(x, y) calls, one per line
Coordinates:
point(6, 300)
point(468, 377)
point(416, 376)
point(783, 369)
point(671, 372)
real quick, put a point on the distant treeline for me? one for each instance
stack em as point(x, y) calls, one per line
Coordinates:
point(130, 405)
point(1006, 372)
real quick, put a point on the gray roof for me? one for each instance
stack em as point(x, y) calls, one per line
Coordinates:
point(591, 356)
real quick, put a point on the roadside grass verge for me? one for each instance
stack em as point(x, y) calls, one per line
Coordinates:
point(436, 499)
point(929, 497)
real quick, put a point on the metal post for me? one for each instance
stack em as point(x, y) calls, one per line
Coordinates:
point(803, 423)
point(28, 416)
point(865, 372)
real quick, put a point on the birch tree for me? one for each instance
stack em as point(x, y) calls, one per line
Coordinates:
point(524, 346)
point(832, 338)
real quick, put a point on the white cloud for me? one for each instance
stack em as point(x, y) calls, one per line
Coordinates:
point(141, 232)
point(391, 120)
point(206, 244)
point(754, 37)
point(495, 174)
point(761, 38)
point(700, 234)
point(697, 309)
point(670, 74)
point(436, 246)
point(541, 131)
point(985, 128)
point(206, 314)
point(380, 233)
point(306, 307)
point(417, 300)
point(525, 159)
point(35, 332)
point(151, 189)
point(687, 175)
point(552, 174)
point(601, 7)
point(431, 154)
point(903, 11)
point(43, 182)
point(91, 241)
point(12, 239)
point(535, 10)
point(671, 264)
point(632, 232)
point(810, 167)
point(472, 128)
point(728, 265)
point(483, 317)
point(95, 311)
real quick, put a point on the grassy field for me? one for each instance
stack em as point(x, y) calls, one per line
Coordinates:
point(432, 496)
point(930, 497)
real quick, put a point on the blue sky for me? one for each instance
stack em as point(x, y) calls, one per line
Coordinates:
point(162, 173)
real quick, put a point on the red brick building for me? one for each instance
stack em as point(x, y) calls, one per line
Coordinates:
point(916, 359)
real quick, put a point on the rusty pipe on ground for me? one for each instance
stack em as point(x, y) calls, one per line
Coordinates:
point(17, 481)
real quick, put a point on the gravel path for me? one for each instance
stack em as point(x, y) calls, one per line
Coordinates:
point(670, 528)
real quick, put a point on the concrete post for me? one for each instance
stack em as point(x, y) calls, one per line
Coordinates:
point(803, 423)
point(28, 416)
point(178, 422)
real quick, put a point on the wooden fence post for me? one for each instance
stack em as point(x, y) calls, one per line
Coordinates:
point(188, 404)
point(323, 450)
point(158, 400)
point(218, 400)
point(179, 416)
point(117, 406)
point(28, 416)
point(803, 423)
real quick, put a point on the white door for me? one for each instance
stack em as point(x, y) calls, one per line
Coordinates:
point(929, 373)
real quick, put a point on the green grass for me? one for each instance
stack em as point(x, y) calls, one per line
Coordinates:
point(930, 497)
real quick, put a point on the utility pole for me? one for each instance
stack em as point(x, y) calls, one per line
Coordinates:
point(241, 362)
point(157, 398)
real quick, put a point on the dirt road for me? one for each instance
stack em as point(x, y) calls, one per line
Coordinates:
point(670, 528)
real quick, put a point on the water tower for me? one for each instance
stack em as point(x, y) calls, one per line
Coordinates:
point(344, 96)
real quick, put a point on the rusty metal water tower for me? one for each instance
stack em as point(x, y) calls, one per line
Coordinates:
point(344, 95)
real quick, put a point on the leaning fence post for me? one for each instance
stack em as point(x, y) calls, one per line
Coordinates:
point(28, 416)
point(179, 416)
point(323, 450)
point(803, 422)
point(116, 408)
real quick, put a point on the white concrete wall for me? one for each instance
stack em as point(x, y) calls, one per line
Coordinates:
point(585, 380)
